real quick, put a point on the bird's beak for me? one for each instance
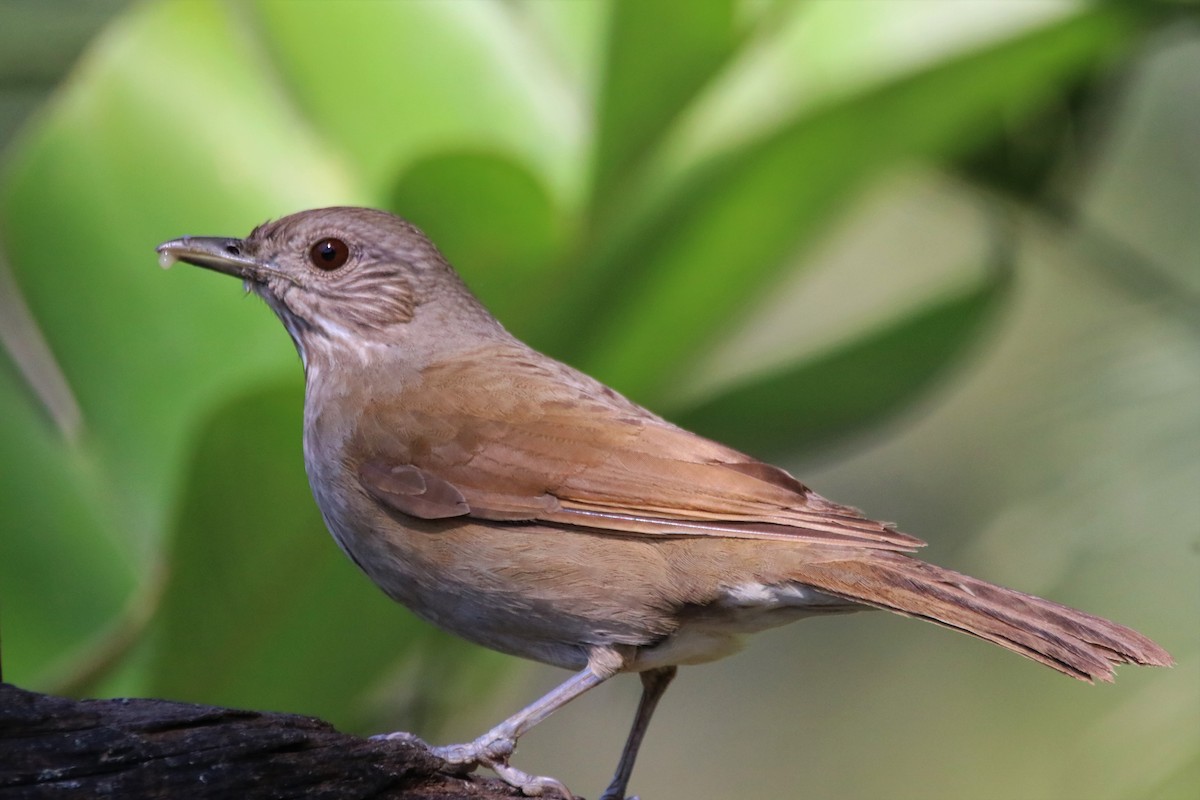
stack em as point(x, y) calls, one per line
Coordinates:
point(211, 252)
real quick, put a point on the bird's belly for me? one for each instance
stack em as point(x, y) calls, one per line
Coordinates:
point(526, 591)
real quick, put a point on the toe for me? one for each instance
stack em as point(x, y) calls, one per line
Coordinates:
point(532, 785)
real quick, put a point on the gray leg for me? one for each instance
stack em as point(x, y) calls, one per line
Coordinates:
point(654, 683)
point(493, 748)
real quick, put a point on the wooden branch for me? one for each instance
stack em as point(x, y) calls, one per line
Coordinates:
point(55, 747)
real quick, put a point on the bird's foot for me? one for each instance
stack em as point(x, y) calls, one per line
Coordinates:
point(530, 785)
point(492, 750)
point(487, 749)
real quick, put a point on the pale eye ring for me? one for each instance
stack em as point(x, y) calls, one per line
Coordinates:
point(329, 254)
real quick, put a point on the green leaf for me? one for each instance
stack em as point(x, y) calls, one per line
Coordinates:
point(659, 55)
point(704, 252)
point(50, 39)
point(63, 572)
point(853, 386)
point(262, 610)
point(495, 222)
point(144, 353)
point(573, 37)
point(388, 83)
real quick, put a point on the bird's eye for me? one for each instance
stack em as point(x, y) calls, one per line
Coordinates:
point(329, 254)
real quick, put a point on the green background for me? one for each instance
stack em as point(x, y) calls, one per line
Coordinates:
point(939, 259)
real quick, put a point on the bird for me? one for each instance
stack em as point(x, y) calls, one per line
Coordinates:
point(522, 505)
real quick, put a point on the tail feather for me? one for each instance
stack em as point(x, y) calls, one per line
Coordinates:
point(1075, 643)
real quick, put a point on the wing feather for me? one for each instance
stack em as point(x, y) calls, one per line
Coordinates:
point(552, 445)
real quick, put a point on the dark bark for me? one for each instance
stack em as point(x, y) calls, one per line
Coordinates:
point(55, 747)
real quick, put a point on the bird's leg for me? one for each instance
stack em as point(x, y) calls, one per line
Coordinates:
point(654, 684)
point(493, 748)
point(500, 741)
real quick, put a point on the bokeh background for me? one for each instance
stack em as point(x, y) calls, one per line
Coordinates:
point(940, 259)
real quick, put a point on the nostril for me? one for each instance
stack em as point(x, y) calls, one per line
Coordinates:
point(233, 250)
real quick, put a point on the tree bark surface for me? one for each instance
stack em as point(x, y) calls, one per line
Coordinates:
point(55, 747)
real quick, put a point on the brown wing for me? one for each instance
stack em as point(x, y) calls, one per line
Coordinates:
point(547, 443)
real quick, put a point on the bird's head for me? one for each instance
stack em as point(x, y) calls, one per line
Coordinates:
point(340, 277)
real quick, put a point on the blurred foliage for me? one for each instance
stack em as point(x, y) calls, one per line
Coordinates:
point(563, 156)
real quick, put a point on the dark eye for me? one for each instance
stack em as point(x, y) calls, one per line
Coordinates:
point(329, 254)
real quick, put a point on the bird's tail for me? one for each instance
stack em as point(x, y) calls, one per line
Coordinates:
point(1070, 641)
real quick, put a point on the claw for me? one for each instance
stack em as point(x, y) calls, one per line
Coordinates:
point(530, 785)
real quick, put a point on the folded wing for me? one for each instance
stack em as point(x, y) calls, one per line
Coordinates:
point(554, 446)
